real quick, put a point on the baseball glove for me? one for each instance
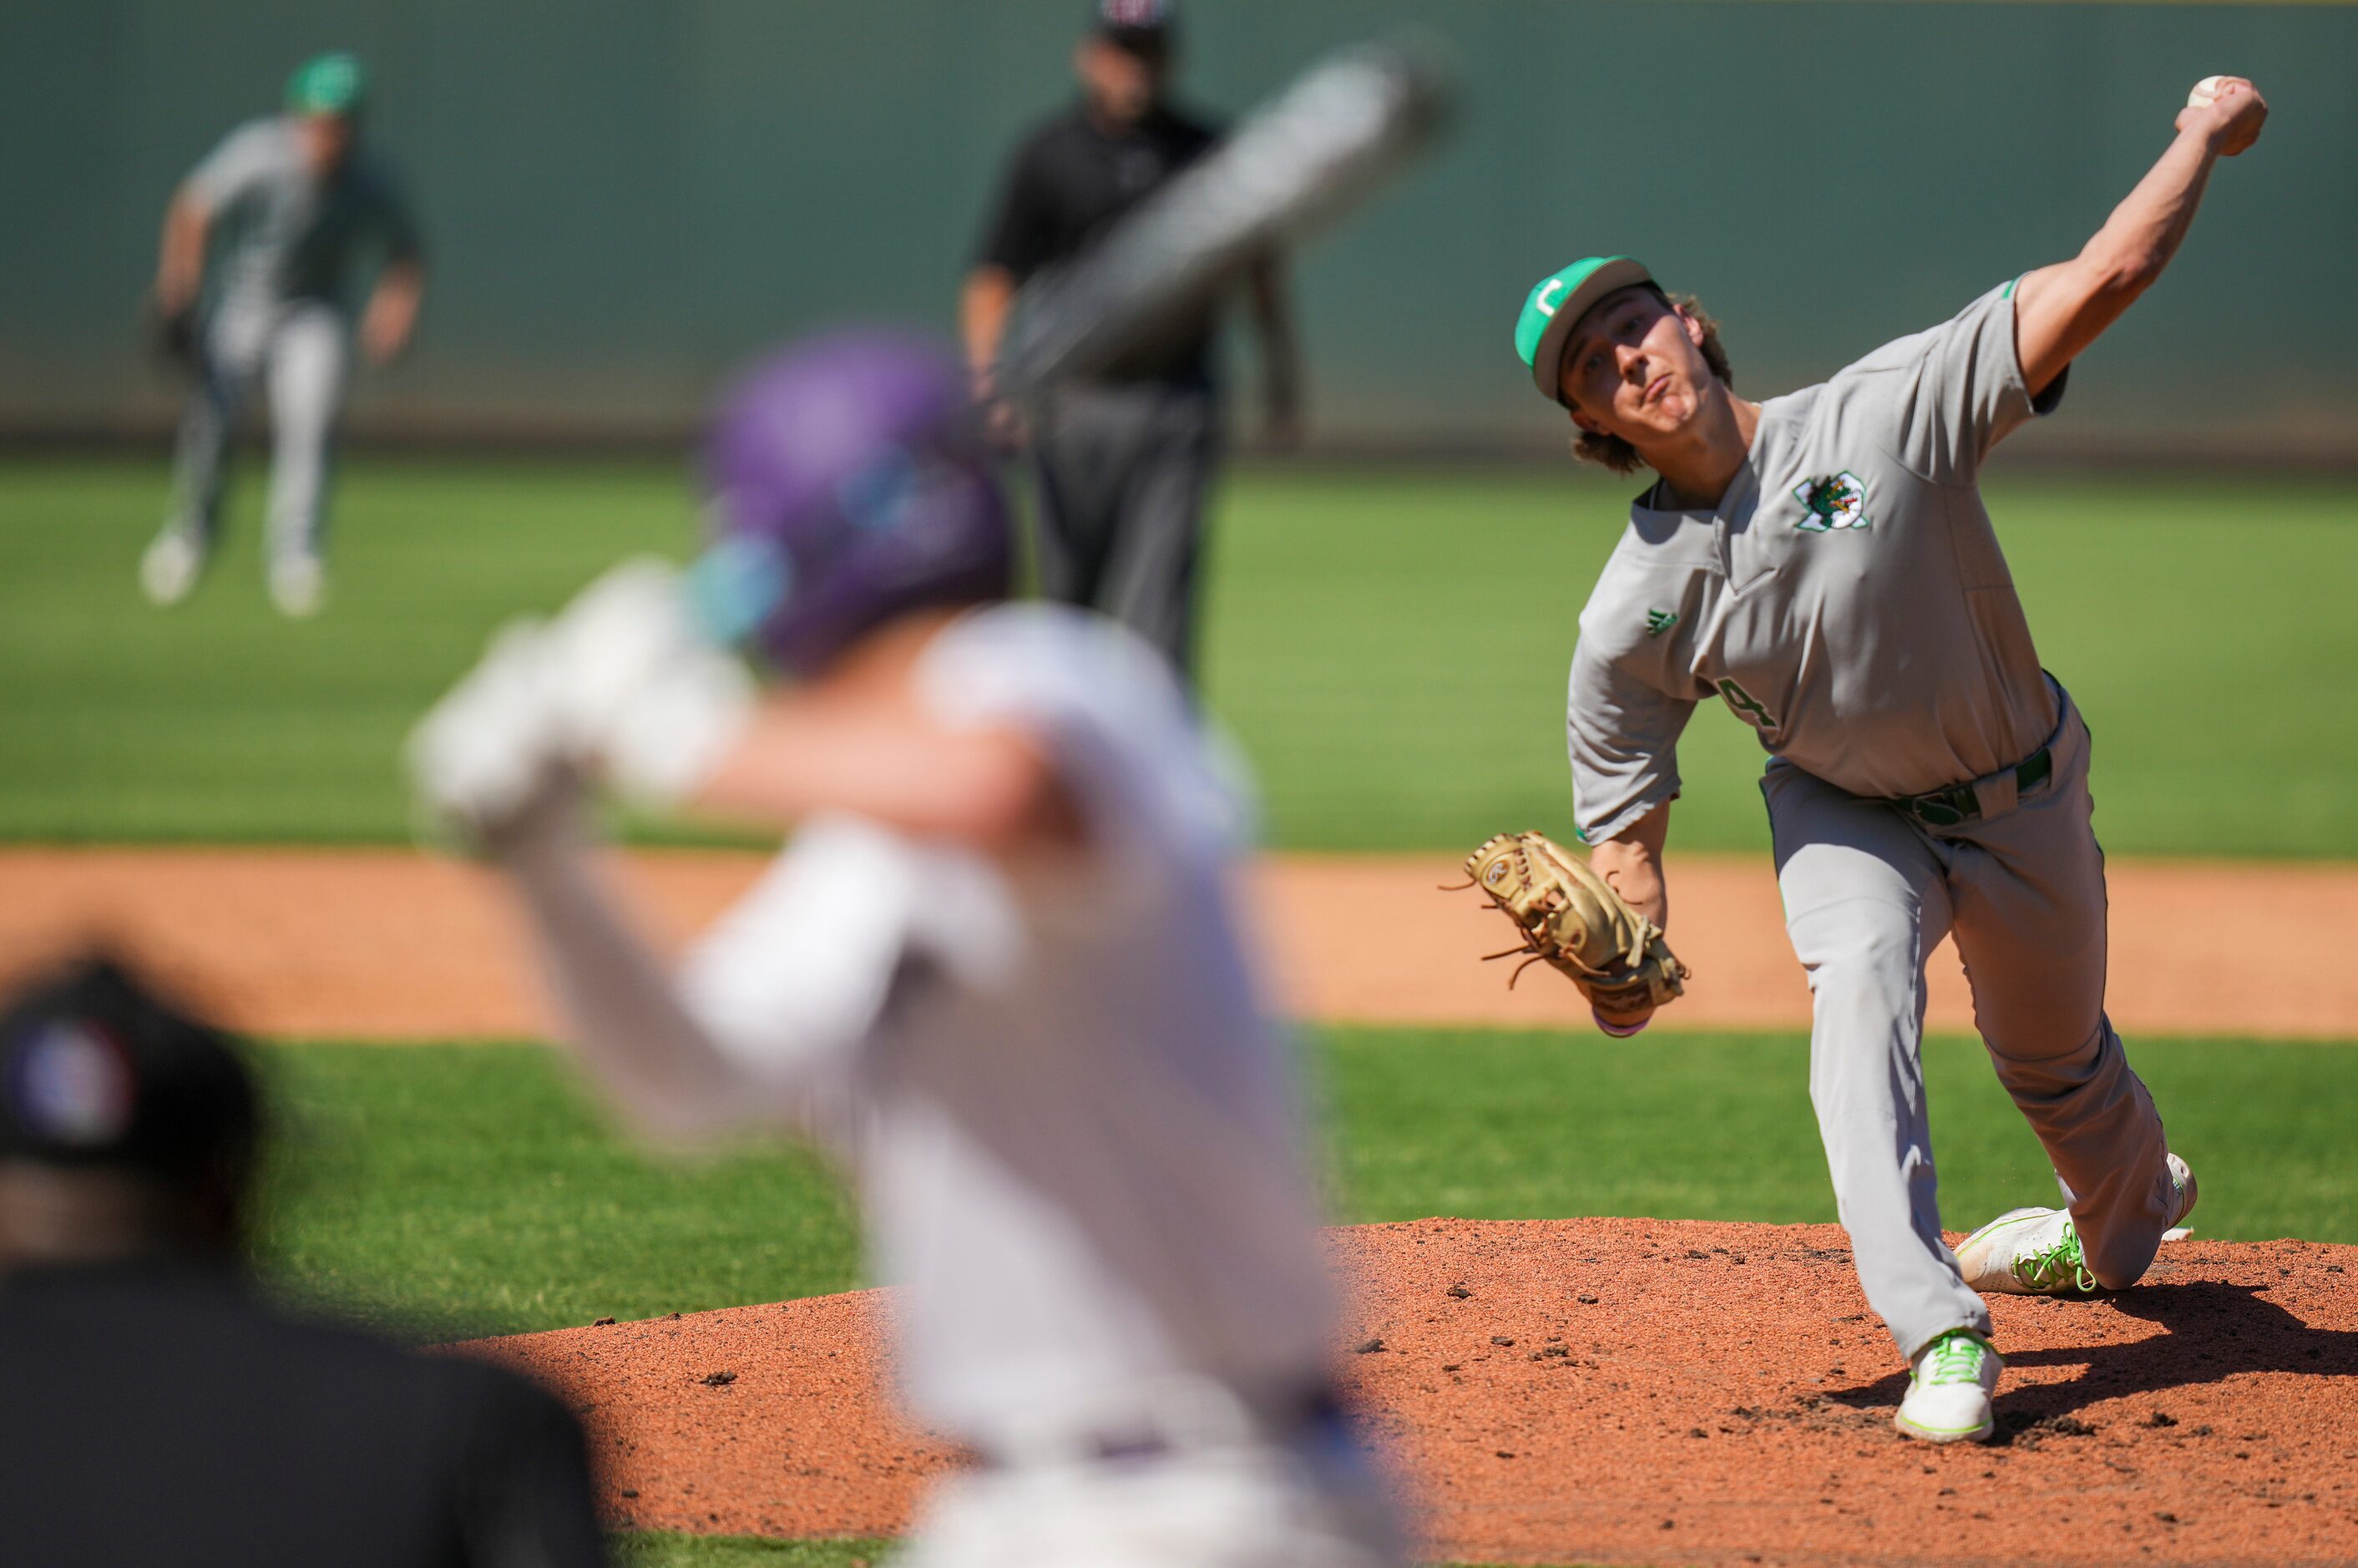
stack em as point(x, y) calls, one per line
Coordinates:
point(171, 335)
point(1572, 919)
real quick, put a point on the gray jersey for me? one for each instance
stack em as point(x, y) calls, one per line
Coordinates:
point(1847, 597)
point(282, 233)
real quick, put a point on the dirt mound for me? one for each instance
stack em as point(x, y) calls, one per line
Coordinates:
point(388, 944)
point(1609, 1389)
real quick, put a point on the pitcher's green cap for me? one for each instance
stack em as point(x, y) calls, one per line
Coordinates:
point(328, 84)
point(1556, 305)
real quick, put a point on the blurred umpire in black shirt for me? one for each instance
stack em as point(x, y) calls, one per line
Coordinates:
point(152, 1413)
point(1123, 466)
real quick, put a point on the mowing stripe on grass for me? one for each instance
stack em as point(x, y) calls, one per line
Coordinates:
point(1389, 694)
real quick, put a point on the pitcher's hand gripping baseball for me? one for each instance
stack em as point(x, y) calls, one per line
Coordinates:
point(1572, 919)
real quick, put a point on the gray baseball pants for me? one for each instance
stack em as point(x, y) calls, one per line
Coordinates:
point(1868, 893)
point(303, 350)
point(1122, 472)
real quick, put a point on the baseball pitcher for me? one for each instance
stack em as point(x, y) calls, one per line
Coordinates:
point(1822, 564)
point(263, 244)
point(996, 970)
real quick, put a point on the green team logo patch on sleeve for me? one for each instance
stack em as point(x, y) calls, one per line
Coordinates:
point(1838, 500)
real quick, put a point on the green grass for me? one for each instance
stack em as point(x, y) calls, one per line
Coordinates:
point(450, 1191)
point(458, 1190)
point(1389, 647)
point(1515, 1126)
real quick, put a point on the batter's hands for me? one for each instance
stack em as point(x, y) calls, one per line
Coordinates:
point(2233, 118)
point(491, 754)
point(644, 698)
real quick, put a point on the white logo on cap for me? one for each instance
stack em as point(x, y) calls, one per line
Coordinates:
point(74, 1087)
point(1543, 305)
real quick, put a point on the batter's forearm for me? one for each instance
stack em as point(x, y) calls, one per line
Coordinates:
point(988, 789)
point(622, 1012)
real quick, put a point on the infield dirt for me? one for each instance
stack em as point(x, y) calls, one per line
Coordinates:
point(1620, 1390)
point(390, 945)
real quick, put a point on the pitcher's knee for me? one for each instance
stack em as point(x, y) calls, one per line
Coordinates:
point(2072, 1069)
point(1865, 976)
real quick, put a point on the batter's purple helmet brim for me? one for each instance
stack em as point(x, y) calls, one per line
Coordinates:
point(847, 487)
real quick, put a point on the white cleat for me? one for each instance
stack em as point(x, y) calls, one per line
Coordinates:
point(168, 571)
point(299, 585)
point(1949, 1389)
point(2181, 1176)
point(2036, 1251)
point(2026, 1252)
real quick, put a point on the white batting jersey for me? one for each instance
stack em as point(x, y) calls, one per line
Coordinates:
point(1846, 598)
point(1075, 1125)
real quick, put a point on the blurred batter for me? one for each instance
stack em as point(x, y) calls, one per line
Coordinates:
point(997, 970)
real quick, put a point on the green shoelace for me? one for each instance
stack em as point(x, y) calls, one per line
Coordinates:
point(1956, 1359)
point(2059, 1267)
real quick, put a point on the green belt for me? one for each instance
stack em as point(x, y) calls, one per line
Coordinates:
point(1960, 802)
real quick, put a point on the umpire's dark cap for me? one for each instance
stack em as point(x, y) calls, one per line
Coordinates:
point(1141, 26)
point(96, 1071)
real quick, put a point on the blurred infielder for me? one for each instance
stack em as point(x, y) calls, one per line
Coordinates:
point(1822, 563)
point(996, 970)
point(291, 210)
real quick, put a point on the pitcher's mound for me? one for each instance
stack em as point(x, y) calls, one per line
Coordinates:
point(1620, 1389)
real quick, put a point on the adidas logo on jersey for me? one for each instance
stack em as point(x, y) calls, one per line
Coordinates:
point(1838, 500)
point(1661, 620)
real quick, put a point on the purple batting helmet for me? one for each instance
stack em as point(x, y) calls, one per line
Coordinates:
point(849, 486)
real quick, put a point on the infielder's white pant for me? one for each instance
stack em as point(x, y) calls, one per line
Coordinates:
point(303, 347)
point(1868, 893)
point(1313, 1502)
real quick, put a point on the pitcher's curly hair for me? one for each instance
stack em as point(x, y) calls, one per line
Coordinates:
point(1618, 455)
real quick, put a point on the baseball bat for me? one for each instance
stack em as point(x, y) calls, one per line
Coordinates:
point(1317, 150)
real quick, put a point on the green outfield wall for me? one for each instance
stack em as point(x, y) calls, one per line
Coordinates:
point(624, 197)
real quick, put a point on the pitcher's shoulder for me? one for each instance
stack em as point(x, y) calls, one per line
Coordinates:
point(1652, 591)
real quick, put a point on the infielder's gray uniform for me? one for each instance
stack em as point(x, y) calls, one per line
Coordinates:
point(1849, 601)
point(289, 250)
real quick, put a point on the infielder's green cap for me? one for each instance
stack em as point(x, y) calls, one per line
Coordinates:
point(1555, 307)
point(328, 84)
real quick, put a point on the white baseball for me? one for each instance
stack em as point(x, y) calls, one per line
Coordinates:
point(2204, 90)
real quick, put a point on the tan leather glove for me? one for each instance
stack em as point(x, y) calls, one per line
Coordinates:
point(1572, 919)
